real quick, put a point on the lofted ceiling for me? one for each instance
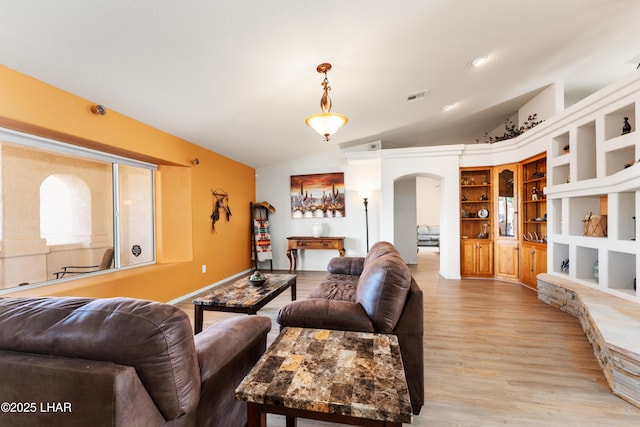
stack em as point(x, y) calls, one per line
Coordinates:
point(239, 77)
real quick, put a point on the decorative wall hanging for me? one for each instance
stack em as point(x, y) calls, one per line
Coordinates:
point(318, 196)
point(221, 202)
point(136, 250)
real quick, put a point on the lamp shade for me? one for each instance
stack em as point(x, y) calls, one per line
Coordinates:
point(326, 124)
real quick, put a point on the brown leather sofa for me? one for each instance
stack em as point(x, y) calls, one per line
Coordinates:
point(121, 362)
point(376, 293)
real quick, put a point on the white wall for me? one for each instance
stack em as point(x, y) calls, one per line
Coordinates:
point(427, 201)
point(405, 219)
point(546, 104)
point(376, 172)
point(440, 163)
point(273, 186)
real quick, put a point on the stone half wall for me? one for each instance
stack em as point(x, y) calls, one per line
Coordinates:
point(612, 326)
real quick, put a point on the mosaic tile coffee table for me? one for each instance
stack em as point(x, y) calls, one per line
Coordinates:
point(353, 378)
point(242, 297)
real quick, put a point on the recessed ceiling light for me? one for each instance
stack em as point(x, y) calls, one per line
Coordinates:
point(448, 107)
point(478, 61)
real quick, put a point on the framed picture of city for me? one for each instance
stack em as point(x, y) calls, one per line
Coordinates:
point(318, 195)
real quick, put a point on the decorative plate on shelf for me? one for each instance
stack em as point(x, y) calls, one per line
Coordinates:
point(483, 213)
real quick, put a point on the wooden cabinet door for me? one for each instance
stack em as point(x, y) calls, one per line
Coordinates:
point(485, 258)
point(507, 260)
point(534, 262)
point(527, 263)
point(468, 258)
point(540, 265)
point(476, 258)
point(506, 232)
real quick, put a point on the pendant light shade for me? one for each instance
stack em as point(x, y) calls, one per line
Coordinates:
point(326, 123)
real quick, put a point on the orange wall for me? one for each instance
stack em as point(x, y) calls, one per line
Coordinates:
point(185, 240)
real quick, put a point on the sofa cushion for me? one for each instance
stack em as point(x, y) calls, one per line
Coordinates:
point(325, 314)
point(423, 229)
point(346, 265)
point(336, 287)
point(382, 290)
point(154, 338)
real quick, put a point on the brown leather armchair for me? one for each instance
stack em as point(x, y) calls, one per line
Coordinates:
point(122, 362)
point(372, 294)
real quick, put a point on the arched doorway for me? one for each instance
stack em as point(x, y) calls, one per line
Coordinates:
point(416, 202)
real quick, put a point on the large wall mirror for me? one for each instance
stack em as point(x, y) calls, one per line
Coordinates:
point(506, 204)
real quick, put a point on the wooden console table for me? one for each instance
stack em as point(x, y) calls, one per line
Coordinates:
point(308, 242)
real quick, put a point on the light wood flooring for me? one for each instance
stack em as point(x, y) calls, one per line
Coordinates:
point(494, 356)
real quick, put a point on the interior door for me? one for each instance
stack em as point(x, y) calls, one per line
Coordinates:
point(506, 220)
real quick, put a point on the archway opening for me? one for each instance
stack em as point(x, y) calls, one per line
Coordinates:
point(65, 210)
point(417, 210)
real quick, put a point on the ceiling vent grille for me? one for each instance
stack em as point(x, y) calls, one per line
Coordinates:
point(417, 96)
point(374, 146)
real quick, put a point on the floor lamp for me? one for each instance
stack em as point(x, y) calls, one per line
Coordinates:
point(366, 220)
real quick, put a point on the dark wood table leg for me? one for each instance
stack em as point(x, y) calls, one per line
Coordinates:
point(290, 261)
point(197, 319)
point(293, 290)
point(295, 259)
point(255, 416)
point(291, 421)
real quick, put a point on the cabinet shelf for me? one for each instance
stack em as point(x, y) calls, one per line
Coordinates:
point(594, 167)
point(533, 235)
point(476, 193)
point(614, 121)
point(559, 145)
point(536, 180)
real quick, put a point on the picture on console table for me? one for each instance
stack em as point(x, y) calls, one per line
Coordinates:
point(318, 195)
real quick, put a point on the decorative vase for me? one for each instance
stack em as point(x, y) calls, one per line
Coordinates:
point(316, 230)
point(596, 272)
point(626, 127)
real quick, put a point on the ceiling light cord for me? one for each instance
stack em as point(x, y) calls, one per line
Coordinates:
point(325, 101)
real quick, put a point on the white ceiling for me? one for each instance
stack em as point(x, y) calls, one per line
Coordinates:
point(238, 76)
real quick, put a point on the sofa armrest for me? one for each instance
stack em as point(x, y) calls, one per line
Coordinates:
point(227, 351)
point(229, 339)
point(88, 392)
point(352, 266)
point(325, 314)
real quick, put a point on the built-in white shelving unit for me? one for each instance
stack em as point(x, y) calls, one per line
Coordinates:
point(592, 168)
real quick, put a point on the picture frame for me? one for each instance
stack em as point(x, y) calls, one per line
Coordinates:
point(318, 195)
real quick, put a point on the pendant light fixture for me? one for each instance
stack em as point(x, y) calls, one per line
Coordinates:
point(326, 123)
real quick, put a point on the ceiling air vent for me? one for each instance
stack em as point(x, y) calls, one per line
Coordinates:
point(418, 96)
